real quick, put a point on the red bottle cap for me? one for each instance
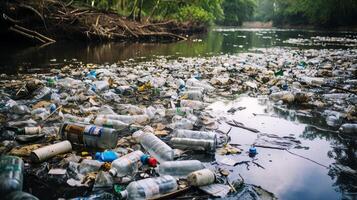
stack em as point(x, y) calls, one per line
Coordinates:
point(152, 162)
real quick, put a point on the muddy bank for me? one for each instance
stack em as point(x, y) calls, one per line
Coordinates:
point(48, 21)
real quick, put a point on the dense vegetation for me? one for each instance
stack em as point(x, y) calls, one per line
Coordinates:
point(234, 12)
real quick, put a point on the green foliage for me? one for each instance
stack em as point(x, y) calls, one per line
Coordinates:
point(237, 11)
point(195, 14)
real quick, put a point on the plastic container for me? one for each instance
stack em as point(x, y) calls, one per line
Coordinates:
point(90, 135)
point(129, 164)
point(149, 188)
point(201, 178)
point(195, 140)
point(49, 151)
point(110, 123)
point(11, 174)
point(129, 119)
point(179, 169)
point(156, 148)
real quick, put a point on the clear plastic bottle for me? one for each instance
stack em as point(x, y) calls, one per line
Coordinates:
point(129, 109)
point(194, 144)
point(90, 135)
point(149, 188)
point(192, 104)
point(156, 147)
point(11, 174)
point(41, 93)
point(110, 123)
point(129, 119)
point(196, 83)
point(348, 128)
point(182, 111)
point(128, 164)
point(100, 85)
point(179, 169)
point(192, 94)
point(182, 133)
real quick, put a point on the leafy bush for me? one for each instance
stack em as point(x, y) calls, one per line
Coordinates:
point(195, 14)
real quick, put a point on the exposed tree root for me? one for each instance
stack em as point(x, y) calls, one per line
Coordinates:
point(58, 20)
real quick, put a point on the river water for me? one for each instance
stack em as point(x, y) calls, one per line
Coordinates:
point(286, 175)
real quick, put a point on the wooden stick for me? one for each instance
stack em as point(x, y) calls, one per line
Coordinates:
point(26, 34)
point(59, 107)
point(34, 33)
point(21, 89)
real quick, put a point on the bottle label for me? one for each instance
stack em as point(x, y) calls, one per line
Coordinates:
point(74, 133)
point(93, 131)
point(32, 130)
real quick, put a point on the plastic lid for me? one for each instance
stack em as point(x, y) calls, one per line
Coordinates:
point(113, 172)
point(252, 150)
point(124, 194)
point(144, 159)
point(97, 156)
point(152, 162)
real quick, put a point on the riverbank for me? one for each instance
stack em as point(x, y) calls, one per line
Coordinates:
point(54, 20)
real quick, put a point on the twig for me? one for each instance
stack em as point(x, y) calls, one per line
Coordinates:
point(239, 125)
point(257, 164)
point(21, 89)
point(26, 34)
point(59, 107)
point(307, 159)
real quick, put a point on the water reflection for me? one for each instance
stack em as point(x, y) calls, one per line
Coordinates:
point(216, 41)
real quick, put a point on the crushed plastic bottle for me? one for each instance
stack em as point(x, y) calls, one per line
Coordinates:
point(90, 135)
point(11, 174)
point(149, 188)
point(129, 164)
point(129, 119)
point(110, 123)
point(156, 148)
point(179, 168)
point(195, 140)
point(201, 177)
point(103, 181)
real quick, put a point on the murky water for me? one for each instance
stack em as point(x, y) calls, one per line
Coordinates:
point(17, 58)
point(286, 175)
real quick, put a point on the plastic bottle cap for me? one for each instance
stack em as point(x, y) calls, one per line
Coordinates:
point(144, 159)
point(252, 150)
point(152, 162)
point(97, 156)
point(113, 172)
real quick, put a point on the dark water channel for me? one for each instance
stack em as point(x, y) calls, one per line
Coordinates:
point(286, 175)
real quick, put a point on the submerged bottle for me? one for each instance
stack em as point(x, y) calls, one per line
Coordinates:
point(156, 147)
point(149, 188)
point(130, 163)
point(195, 140)
point(179, 168)
point(11, 174)
point(348, 128)
point(90, 135)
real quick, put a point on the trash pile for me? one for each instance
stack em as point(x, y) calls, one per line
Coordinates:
point(324, 41)
point(129, 130)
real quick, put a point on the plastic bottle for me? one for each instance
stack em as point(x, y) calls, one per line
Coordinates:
point(192, 104)
point(194, 144)
point(110, 123)
point(90, 135)
point(179, 169)
point(11, 174)
point(285, 96)
point(196, 83)
point(19, 195)
point(192, 94)
point(129, 164)
point(129, 119)
point(348, 128)
point(129, 109)
point(182, 111)
point(181, 123)
point(103, 181)
point(41, 93)
point(125, 90)
point(182, 133)
point(201, 178)
point(106, 156)
point(100, 86)
point(149, 188)
point(156, 148)
point(26, 130)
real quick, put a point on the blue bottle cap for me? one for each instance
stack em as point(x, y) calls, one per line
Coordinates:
point(98, 155)
point(144, 159)
point(252, 150)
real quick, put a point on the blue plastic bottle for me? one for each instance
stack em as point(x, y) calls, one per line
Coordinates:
point(106, 156)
